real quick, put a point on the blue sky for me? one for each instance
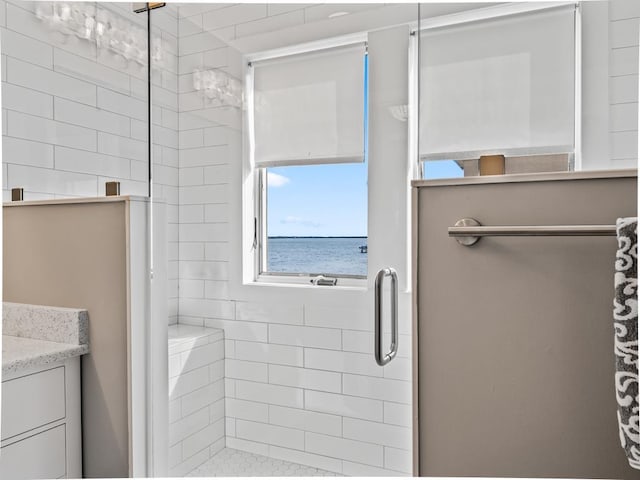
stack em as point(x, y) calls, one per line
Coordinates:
point(318, 200)
point(442, 169)
point(326, 200)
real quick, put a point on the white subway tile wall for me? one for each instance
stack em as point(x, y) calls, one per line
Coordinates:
point(624, 22)
point(75, 115)
point(196, 397)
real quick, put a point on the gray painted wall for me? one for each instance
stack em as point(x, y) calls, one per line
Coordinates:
point(516, 364)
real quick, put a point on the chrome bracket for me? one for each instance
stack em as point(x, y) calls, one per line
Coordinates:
point(467, 222)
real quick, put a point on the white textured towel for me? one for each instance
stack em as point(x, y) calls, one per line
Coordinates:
point(625, 322)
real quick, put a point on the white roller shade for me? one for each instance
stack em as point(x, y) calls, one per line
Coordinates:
point(309, 108)
point(503, 85)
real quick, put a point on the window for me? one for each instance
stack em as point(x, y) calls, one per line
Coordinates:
point(499, 86)
point(316, 219)
point(308, 135)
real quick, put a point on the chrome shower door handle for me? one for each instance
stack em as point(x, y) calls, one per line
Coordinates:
point(381, 359)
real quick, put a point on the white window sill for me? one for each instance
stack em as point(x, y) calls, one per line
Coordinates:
point(348, 284)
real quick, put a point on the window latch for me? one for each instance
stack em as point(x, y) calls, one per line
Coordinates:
point(321, 280)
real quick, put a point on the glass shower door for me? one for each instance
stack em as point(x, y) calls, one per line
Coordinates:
point(75, 127)
point(298, 359)
point(196, 100)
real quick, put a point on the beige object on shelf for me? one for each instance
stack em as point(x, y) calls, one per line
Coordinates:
point(491, 165)
point(112, 189)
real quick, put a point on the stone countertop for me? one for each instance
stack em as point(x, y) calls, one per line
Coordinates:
point(20, 353)
point(53, 324)
point(36, 335)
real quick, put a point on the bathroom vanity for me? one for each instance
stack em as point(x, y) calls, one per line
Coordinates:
point(41, 426)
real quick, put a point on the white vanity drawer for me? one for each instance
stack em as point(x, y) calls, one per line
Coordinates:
point(39, 456)
point(31, 401)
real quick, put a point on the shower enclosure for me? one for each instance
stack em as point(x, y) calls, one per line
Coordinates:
point(158, 100)
point(269, 95)
point(263, 132)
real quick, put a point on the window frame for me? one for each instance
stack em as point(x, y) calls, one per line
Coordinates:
point(258, 177)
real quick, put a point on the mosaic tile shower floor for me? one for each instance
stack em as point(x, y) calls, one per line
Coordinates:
point(236, 463)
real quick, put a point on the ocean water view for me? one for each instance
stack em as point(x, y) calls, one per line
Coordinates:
point(328, 255)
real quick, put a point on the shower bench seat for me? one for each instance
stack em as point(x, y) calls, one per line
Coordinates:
point(196, 396)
